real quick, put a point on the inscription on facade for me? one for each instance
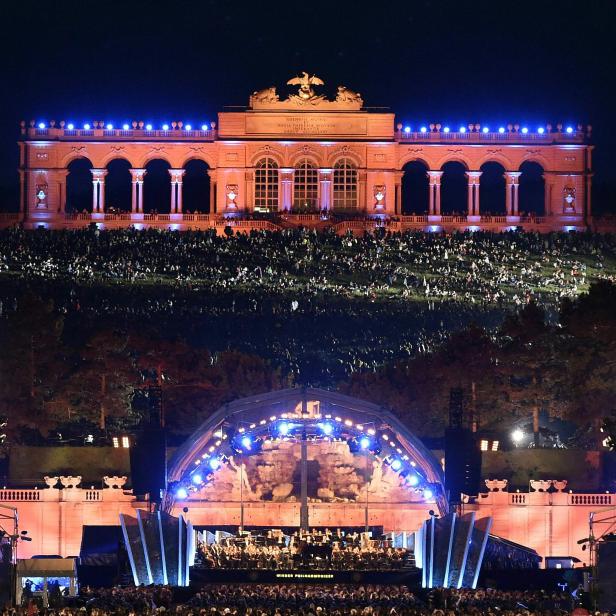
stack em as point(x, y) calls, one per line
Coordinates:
point(291, 124)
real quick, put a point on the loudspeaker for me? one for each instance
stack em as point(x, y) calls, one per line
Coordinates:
point(462, 463)
point(606, 574)
point(148, 463)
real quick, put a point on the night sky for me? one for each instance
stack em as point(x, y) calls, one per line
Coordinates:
point(429, 61)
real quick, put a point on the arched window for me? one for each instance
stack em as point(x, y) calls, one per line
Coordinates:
point(306, 185)
point(266, 185)
point(345, 185)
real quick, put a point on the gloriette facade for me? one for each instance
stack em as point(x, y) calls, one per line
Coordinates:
point(305, 160)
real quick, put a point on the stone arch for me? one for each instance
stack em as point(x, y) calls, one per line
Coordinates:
point(339, 154)
point(79, 185)
point(76, 155)
point(532, 189)
point(114, 155)
point(267, 153)
point(410, 158)
point(535, 158)
point(415, 187)
point(210, 161)
point(454, 187)
point(309, 155)
point(157, 187)
point(196, 186)
point(496, 158)
point(145, 160)
point(454, 158)
point(118, 186)
point(492, 188)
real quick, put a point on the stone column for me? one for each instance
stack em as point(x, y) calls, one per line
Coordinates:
point(398, 190)
point(325, 181)
point(511, 181)
point(249, 177)
point(137, 194)
point(213, 205)
point(176, 190)
point(548, 184)
point(473, 193)
point(286, 192)
point(363, 198)
point(61, 187)
point(98, 190)
point(434, 190)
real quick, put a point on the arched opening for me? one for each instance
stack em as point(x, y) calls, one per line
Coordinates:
point(492, 189)
point(415, 188)
point(454, 189)
point(532, 189)
point(345, 185)
point(305, 187)
point(79, 186)
point(118, 188)
point(157, 187)
point(196, 188)
point(266, 185)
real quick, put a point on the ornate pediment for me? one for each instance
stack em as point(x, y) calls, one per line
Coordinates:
point(306, 98)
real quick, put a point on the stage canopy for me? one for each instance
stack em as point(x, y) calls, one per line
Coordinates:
point(362, 451)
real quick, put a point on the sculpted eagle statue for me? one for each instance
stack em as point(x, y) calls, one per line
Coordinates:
point(305, 83)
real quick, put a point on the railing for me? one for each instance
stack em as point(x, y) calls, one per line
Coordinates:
point(93, 495)
point(178, 134)
point(436, 136)
point(416, 219)
point(517, 499)
point(20, 495)
point(590, 499)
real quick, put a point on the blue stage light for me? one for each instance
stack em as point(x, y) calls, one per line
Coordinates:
point(364, 442)
point(110, 126)
point(148, 127)
point(86, 126)
point(283, 428)
point(569, 129)
point(214, 464)
point(396, 465)
point(327, 428)
point(165, 126)
point(427, 494)
point(446, 129)
point(524, 130)
point(501, 130)
point(485, 129)
point(125, 127)
point(41, 125)
point(246, 442)
point(188, 127)
point(462, 129)
point(423, 129)
point(407, 129)
point(204, 127)
point(412, 480)
point(541, 130)
point(197, 479)
point(70, 126)
point(181, 493)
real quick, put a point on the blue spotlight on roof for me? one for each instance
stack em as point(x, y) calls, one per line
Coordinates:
point(148, 127)
point(165, 126)
point(423, 129)
point(70, 126)
point(485, 129)
point(462, 129)
point(407, 129)
point(396, 465)
point(283, 428)
point(446, 129)
point(86, 126)
point(181, 493)
point(125, 127)
point(327, 428)
point(364, 442)
point(188, 127)
point(214, 464)
point(412, 480)
point(204, 127)
point(41, 125)
point(501, 130)
point(541, 130)
point(110, 126)
point(525, 130)
point(569, 129)
point(197, 479)
point(427, 494)
point(246, 442)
